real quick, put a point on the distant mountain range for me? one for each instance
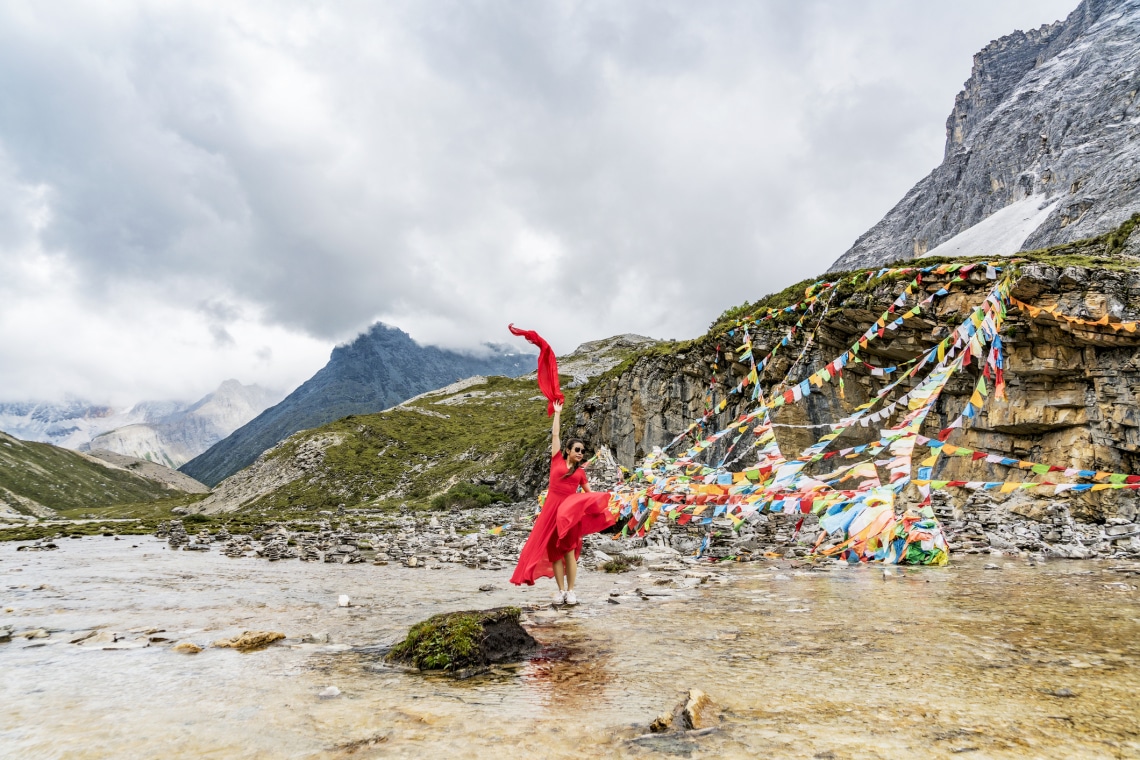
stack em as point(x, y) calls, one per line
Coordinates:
point(379, 369)
point(180, 436)
point(1042, 146)
point(166, 432)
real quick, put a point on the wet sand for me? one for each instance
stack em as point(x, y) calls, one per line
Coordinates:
point(1018, 661)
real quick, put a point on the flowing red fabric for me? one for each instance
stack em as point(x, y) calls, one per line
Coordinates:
point(547, 368)
point(566, 516)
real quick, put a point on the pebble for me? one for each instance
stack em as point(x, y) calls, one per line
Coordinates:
point(329, 692)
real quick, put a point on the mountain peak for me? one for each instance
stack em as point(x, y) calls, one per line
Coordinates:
point(1048, 117)
point(380, 368)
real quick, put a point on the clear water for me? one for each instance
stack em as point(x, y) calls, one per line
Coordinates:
point(842, 663)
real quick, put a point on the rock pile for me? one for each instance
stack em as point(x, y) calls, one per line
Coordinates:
point(42, 545)
point(177, 534)
point(275, 546)
point(237, 547)
point(309, 549)
point(345, 549)
point(162, 530)
point(1124, 536)
point(490, 538)
point(1042, 527)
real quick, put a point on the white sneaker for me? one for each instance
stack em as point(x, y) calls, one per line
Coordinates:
point(559, 598)
point(570, 599)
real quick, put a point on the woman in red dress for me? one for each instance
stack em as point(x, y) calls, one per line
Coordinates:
point(555, 541)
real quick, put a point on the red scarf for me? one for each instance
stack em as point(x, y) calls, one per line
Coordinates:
point(547, 368)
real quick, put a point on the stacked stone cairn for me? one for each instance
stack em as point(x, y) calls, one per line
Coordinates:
point(236, 547)
point(177, 535)
point(275, 545)
point(1124, 537)
point(310, 552)
point(222, 535)
point(345, 550)
point(162, 530)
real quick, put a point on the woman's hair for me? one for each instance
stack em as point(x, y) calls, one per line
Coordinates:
point(567, 446)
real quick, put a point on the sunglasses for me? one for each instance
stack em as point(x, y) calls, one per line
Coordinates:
point(577, 450)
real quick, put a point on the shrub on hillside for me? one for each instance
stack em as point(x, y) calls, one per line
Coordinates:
point(467, 495)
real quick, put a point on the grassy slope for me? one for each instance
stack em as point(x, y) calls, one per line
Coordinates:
point(406, 457)
point(61, 479)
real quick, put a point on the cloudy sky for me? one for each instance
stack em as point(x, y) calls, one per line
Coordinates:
point(191, 191)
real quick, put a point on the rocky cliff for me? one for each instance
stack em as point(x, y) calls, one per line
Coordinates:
point(1042, 146)
point(1072, 398)
point(377, 370)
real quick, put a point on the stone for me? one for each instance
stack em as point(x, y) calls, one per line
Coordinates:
point(693, 713)
point(186, 647)
point(42, 545)
point(36, 633)
point(250, 640)
point(99, 639)
point(315, 638)
point(343, 601)
point(329, 692)
point(460, 641)
point(177, 534)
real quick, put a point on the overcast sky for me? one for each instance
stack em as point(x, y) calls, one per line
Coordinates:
point(193, 191)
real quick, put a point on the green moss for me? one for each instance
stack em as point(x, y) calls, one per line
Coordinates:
point(449, 641)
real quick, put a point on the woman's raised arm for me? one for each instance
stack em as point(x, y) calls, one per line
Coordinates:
point(555, 440)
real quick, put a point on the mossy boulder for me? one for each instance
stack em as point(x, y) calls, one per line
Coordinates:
point(461, 640)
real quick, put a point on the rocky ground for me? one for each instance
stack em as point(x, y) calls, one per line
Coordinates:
point(491, 537)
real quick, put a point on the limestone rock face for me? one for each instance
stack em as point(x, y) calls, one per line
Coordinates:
point(1047, 128)
point(1073, 390)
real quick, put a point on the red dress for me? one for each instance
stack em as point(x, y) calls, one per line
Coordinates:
point(565, 518)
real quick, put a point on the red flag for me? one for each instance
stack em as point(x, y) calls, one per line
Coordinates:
point(547, 368)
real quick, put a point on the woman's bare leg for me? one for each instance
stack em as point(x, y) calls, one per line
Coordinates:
point(560, 575)
point(571, 570)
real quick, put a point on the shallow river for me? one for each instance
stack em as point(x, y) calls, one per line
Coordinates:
point(1018, 661)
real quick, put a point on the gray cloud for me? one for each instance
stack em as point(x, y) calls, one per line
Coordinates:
point(582, 168)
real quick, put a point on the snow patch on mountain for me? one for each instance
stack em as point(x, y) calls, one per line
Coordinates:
point(1003, 233)
point(170, 433)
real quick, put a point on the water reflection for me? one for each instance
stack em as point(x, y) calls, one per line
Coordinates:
point(836, 661)
point(570, 672)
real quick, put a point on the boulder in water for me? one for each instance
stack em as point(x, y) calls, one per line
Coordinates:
point(456, 641)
